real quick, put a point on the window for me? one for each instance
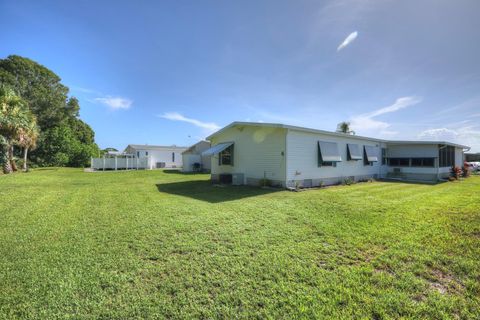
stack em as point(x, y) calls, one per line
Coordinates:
point(173, 156)
point(225, 157)
point(384, 156)
point(446, 156)
point(328, 154)
point(353, 152)
point(328, 164)
point(399, 162)
point(423, 162)
point(369, 155)
point(138, 154)
point(411, 162)
point(146, 153)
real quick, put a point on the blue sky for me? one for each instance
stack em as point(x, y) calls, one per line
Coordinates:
point(171, 72)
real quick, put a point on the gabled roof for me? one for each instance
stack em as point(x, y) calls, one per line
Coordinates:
point(329, 133)
point(286, 126)
point(192, 147)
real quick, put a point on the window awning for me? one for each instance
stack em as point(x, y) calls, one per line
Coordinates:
point(372, 154)
point(354, 151)
point(329, 151)
point(216, 149)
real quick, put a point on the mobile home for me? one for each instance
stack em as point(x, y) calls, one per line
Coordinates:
point(290, 156)
point(158, 156)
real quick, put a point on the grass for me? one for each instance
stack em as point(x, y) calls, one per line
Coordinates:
point(153, 244)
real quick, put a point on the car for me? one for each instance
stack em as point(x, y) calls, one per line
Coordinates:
point(474, 166)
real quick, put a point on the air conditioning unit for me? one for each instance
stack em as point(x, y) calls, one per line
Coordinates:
point(237, 179)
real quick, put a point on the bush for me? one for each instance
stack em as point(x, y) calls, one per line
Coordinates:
point(265, 182)
point(455, 172)
point(348, 181)
point(466, 171)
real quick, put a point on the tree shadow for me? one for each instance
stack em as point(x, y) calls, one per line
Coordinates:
point(206, 191)
point(423, 182)
point(173, 170)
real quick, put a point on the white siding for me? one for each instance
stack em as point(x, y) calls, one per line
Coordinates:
point(459, 157)
point(302, 158)
point(193, 154)
point(189, 159)
point(257, 151)
point(165, 156)
point(155, 155)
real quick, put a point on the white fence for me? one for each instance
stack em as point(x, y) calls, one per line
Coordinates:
point(119, 163)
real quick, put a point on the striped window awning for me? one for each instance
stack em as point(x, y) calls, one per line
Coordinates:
point(354, 151)
point(216, 149)
point(329, 151)
point(371, 153)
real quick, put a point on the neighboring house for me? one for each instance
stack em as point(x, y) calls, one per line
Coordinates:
point(193, 155)
point(158, 156)
point(289, 156)
point(472, 157)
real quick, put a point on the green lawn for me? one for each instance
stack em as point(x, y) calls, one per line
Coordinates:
point(153, 244)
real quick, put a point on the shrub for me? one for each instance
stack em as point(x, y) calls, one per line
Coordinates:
point(348, 181)
point(455, 172)
point(265, 182)
point(466, 171)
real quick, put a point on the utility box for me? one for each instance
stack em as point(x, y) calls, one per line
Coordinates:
point(225, 178)
point(237, 179)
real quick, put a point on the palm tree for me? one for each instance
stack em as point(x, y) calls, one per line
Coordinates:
point(344, 127)
point(28, 139)
point(13, 120)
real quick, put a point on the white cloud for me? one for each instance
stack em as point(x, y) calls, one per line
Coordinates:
point(439, 134)
point(366, 122)
point(115, 103)
point(465, 135)
point(175, 116)
point(352, 36)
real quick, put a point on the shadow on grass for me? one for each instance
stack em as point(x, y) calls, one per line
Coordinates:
point(423, 182)
point(176, 171)
point(205, 191)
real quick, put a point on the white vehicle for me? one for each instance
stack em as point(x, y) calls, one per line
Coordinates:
point(474, 166)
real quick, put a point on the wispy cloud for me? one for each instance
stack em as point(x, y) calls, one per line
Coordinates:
point(175, 116)
point(352, 36)
point(366, 122)
point(115, 103)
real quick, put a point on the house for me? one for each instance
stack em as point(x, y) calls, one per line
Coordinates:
point(472, 157)
point(290, 156)
point(157, 156)
point(193, 157)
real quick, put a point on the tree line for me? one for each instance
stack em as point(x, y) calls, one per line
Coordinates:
point(39, 122)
